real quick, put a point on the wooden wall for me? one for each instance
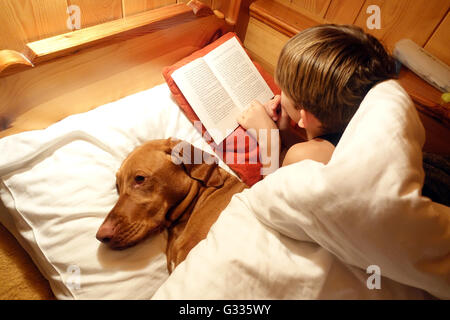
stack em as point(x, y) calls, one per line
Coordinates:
point(427, 22)
point(23, 21)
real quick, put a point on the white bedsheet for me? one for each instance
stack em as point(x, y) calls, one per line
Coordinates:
point(310, 231)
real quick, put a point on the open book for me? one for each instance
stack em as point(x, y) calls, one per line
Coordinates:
point(220, 85)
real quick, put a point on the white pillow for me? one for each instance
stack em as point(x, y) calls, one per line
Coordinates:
point(59, 183)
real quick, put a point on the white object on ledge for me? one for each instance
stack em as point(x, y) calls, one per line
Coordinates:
point(423, 63)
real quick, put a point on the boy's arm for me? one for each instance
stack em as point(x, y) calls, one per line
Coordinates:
point(269, 151)
point(258, 123)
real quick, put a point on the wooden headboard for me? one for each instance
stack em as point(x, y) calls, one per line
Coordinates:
point(80, 70)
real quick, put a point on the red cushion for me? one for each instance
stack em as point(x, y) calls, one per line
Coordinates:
point(238, 145)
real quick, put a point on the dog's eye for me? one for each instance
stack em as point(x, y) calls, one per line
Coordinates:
point(139, 179)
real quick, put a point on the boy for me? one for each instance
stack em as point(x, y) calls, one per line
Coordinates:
point(324, 73)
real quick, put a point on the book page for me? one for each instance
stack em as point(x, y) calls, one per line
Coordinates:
point(212, 104)
point(237, 73)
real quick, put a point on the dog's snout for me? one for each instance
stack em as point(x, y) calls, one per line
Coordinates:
point(105, 239)
point(105, 233)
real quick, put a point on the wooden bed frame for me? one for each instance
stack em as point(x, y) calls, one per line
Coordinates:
point(81, 70)
point(100, 64)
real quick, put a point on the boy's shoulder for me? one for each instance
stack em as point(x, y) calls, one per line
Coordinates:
point(318, 150)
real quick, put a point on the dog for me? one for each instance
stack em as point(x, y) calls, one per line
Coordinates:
point(163, 185)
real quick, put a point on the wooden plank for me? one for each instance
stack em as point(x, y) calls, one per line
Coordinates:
point(344, 11)
point(438, 44)
point(98, 11)
point(259, 36)
point(131, 7)
point(400, 19)
point(317, 7)
point(286, 3)
point(426, 97)
point(50, 18)
point(282, 18)
point(117, 30)
point(38, 97)
point(14, 36)
point(22, 21)
point(243, 18)
point(218, 4)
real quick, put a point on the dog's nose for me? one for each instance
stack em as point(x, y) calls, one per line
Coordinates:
point(105, 232)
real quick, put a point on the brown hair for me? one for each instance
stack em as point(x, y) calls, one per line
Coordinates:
point(328, 69)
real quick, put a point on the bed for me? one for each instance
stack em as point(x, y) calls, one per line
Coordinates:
point(109, 96)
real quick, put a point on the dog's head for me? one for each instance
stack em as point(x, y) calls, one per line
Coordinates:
point(156, 183)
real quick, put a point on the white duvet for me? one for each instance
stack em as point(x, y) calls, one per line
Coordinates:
point(310, 231)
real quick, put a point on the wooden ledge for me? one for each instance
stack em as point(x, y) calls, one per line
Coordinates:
point(282, 18)
point(12, 61)
point(426, 97)
point(117, 30)
point(103, 34)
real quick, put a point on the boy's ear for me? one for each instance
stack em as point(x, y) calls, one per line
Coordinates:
point(308, 120)
point(303, 122)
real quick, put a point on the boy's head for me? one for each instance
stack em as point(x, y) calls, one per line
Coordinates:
point(327, 70)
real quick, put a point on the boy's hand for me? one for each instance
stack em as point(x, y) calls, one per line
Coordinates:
point(273, 107)
point(258, 124)
point(283, 120)
point(277, 113)
point(255, 117)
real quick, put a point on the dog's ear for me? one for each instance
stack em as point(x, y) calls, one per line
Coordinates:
point(209, 174)
point(198, 164)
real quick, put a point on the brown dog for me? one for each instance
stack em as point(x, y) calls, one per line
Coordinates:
point(162, 184)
